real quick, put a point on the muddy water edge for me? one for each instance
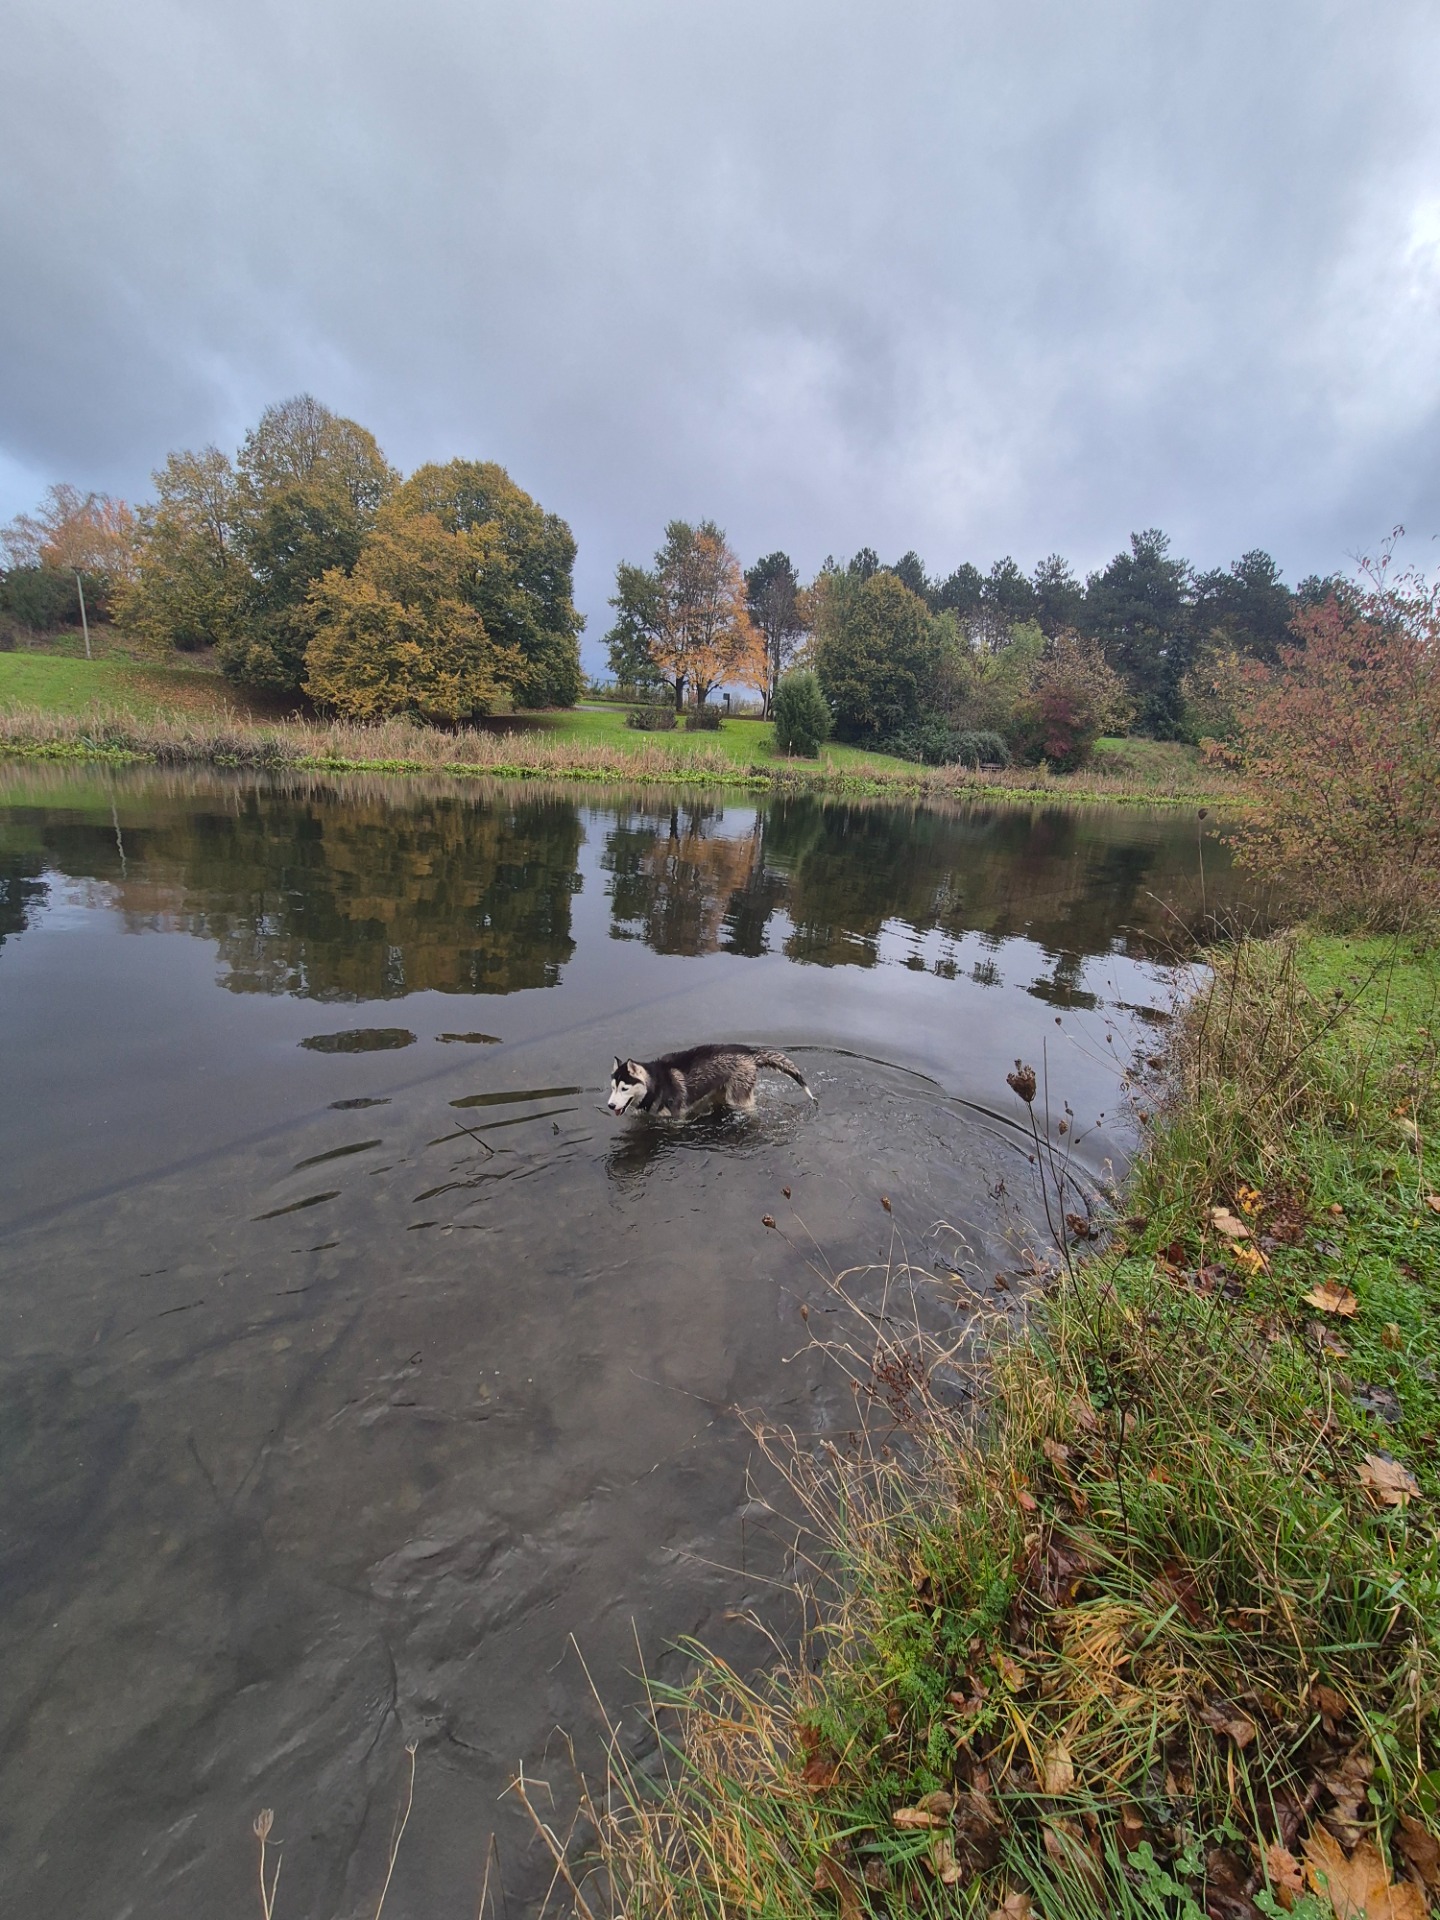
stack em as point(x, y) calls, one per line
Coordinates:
point(357, 1366)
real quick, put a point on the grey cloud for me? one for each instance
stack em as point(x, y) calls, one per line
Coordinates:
point(970, 278)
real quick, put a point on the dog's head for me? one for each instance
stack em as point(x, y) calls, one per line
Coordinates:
point(629, 1082)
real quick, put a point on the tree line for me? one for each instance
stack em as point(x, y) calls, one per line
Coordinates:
point(310, 566)
point(970, 664)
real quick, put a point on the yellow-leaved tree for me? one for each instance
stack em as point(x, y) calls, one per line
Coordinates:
point(398, 635)
point(690, 614)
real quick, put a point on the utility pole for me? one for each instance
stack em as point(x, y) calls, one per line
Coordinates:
point(80, 589)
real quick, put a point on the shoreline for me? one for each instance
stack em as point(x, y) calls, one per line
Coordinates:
point(119, 739)
point(1148, 1628)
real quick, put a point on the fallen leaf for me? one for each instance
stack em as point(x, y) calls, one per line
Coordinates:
point(1420, 1848)
point(1332, 1706)
point(1282, 1870)
point(1432, 1201)
point(1010, 1671)
point(1057, 1769)
point(1015, 1906)
point(1224, 1221)
point(819, 1772)
point(1055, 1450)
point(1066, 1846)
point(1251, 1259)
point(1131, 1830)
point(942, 1862)
point(1386, 1481)
point(832, 1876)
point(1359, 1888)
point(1328, 1299)
point(1349, 1788)
point(1229, 1720)
point(917, 1819)
point(1027, 1502)
point(1083, 1413)
point(1392, 1337)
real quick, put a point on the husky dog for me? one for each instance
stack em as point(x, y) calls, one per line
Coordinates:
point(691, 1082)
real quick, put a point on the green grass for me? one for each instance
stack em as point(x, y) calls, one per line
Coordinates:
point(1146, 1637)
point(746, 742)
point(62, 683)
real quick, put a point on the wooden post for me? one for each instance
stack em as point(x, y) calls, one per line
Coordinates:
point(80, 589)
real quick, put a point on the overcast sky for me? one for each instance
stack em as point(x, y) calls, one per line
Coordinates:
point(972, 278)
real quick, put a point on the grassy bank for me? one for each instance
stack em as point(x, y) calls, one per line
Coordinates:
point(61, 708)
point(1158, 1632)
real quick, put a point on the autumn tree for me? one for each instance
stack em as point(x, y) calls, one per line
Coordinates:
point(1341, 740)
point(692, 610)
point(89, 534)
point(525, 592)
point(190, 582)
point(1072, 696)
point(309, 486)
point(777, 610)
point(399, 633)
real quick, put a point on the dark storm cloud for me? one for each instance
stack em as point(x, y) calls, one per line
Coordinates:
point(974, 279)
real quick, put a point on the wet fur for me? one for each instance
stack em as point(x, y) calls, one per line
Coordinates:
point(696, 1081)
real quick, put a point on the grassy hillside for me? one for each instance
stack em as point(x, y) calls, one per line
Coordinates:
point(54, 683)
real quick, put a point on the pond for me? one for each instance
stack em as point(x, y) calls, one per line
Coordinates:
point(359, 1367)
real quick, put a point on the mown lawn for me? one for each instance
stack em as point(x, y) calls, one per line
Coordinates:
point(746, 742)
point(60, 683)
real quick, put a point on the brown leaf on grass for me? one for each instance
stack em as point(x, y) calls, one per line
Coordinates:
point(1177, 1587)
point(819, 1772)
point(1392, 1337)
point(942, 1862)
point(1015, 1906)
point(1332, 1707)
point(1386, 1481)
point(1360, 1887)
point(1282, 1870)
point(833, 1876)
point(1083, 1413)
point(1348, 1787)
point(1328, 1299)
point(1066, 1845)
point(1432, 1201)
point(917, 1819)
point(1229, 1720)
point(1057, 1769)
point(1026, 1501)
point(1010, 1671)
point(1228, 1223)
point(1420, 1847)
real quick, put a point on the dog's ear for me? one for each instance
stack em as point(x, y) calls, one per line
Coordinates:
point(616, 1068)
point(634, 1070)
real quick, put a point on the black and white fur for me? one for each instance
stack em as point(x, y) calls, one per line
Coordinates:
point(694, 1081)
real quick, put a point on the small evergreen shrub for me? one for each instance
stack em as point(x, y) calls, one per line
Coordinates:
point(935, 743)
point(969, 749)
point(801, 714)
point(703, 720)
point(658, 717)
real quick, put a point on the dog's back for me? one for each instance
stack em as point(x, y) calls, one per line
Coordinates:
point(713, 1075)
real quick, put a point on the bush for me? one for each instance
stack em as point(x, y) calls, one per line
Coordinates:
point(1342, 744)
point(703, 720)
point(801, 715)
point(937, 744)
point(43, 598)
point(657, 718)
point(1074, 696)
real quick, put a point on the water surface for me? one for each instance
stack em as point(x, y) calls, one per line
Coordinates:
point(354, 1358)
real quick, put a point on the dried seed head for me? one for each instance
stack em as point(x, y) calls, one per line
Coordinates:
point(1022, 1081)
point(264, 1820)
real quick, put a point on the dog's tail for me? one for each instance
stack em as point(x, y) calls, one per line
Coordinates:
point(782, 1063)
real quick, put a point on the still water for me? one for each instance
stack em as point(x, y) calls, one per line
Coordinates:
point(353, 1359)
